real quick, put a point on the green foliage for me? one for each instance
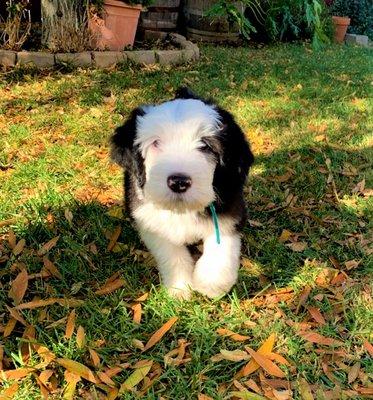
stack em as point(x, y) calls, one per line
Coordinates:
point(297, 19)
point(360, 12)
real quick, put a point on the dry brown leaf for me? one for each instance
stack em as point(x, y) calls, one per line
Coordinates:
point(142, 298)
point(94, 357)
point(110, 372)
point(16, 315)
point(353, 373)
point(43, 390)
point(138, 344)
point(51, 268)
point(16, 374)
point(297, 246)
point(69, 215)
point(202, 396)
point(105, 379)
point(157, 336)
point(9, 327)
point(1, 357)
point(303, 298)
point(12, 240)
point(137, 311)
point(71, 380)
point(251, 384)
point(36, 303)
point(232, 335)
point(45, 375)
point(314, 337)
point(305, 390)
point(278, 358)
point(265, 349)
point(176, 356)
point(114, 237)
point(19, 287)
point(110, 287)
point(266, 364)
point(78, 369)
point(316, 315)
point(285, 236)
point(19, 247)
point(70, 325)
point(48, 246)
point(80, 337)
point(47, 355)
point(352, 264)
point(368, 347)
point(9, 392)
point(234, 355)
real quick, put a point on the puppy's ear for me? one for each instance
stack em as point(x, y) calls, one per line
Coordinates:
point(236, 159)
point(185, 93)
point(122, 141)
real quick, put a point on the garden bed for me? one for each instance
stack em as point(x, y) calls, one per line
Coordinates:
point(175, 49)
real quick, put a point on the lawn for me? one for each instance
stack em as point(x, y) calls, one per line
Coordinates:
point(305, 287)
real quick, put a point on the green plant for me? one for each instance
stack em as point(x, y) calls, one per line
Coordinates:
point(235, 12)
point(17, 25)
point(360, 12)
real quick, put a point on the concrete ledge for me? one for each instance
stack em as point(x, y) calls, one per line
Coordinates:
point(78, 59)
point(360, 40)
point(8, 58)
point(102, 59)
point(38, 59)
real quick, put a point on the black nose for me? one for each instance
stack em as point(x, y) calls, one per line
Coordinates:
point(179, 183)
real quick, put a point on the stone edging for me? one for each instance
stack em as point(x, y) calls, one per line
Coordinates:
point(102, 59)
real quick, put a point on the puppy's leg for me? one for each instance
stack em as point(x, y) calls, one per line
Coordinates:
point(174, 262)
point(217, 269)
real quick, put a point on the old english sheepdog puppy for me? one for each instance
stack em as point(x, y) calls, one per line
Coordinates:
point(186, 162)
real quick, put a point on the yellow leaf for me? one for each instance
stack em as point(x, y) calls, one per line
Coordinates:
point(15, 374)
point(114, 237)
point(71, 380)
point(9, 392)
point(246, 395)
point(266, 364)
point(157, 336)
point(265, 349)
point(80, 337)
point(285, 236)
point(70, 325)
point(136, 377)
point(116, 212)
point(305, 390)
point(234, 355)
point(19, 287)
point(110, 287)
point(78, 369)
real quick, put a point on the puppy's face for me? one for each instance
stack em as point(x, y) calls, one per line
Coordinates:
point(183, 154)
point(179, 145)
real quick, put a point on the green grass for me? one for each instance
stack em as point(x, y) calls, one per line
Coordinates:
point(299, 109)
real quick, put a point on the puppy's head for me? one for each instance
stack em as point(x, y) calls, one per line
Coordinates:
point(184, 153)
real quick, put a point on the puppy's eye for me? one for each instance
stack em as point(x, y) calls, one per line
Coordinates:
point(156, 143)
point(205, 148)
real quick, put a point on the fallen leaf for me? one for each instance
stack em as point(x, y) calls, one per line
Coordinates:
point(19, 247)
point(110, 287)
point(285, 236)
point(9, 392)
point(11, 324)
point(69, 215)
point(36, 303)
point(143, 297)
point(12, 240)
point(202, 396)
point(43, 390)
point(70, 325)
point(80, 337)
point(246, 395)
point(176, 356)
point(316, 315)
point(297, 246)
point(48, 246)
point(94, 357)
point(137, 310)
point(45, 375)
point(51, 268)
point(232, 335)
point(279, 358)
point(110, 372)
point(16, 315)
point(234, 355)
point(114, 237)
point(314, 337)
point(19, 287)
point(157, 336)
point(16, 374)
point(71, 380)
point(136, 377)
point(352, 264)
point(265, 349)
point(105, 379)
point(368, 347)
point(47, 355)
point(305, 390)
point(138, 344)
point(266, 363)
point(78, 369)
point(353, 373)
point(303, 298)
point(116, 212)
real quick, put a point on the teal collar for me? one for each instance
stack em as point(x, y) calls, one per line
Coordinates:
point(216, 222)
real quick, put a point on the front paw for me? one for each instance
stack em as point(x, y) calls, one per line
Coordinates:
point(212, 285)
point(180, 293)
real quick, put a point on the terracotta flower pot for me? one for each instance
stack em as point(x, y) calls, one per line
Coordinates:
point(341, 24)
point(118, 28)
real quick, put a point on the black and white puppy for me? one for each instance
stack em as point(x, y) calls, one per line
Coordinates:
point(180, 157)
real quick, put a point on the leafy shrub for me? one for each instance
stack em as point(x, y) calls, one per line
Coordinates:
point(360, 12)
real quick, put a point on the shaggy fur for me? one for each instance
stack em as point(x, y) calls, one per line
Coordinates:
point(179, 157)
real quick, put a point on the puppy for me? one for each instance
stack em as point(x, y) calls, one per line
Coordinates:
point(186, 162)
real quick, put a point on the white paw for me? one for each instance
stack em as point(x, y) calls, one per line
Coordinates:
point(180, 293)
point(212, 285)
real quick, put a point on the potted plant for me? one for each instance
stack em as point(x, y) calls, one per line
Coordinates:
point(341, 21)
point(114, 22)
